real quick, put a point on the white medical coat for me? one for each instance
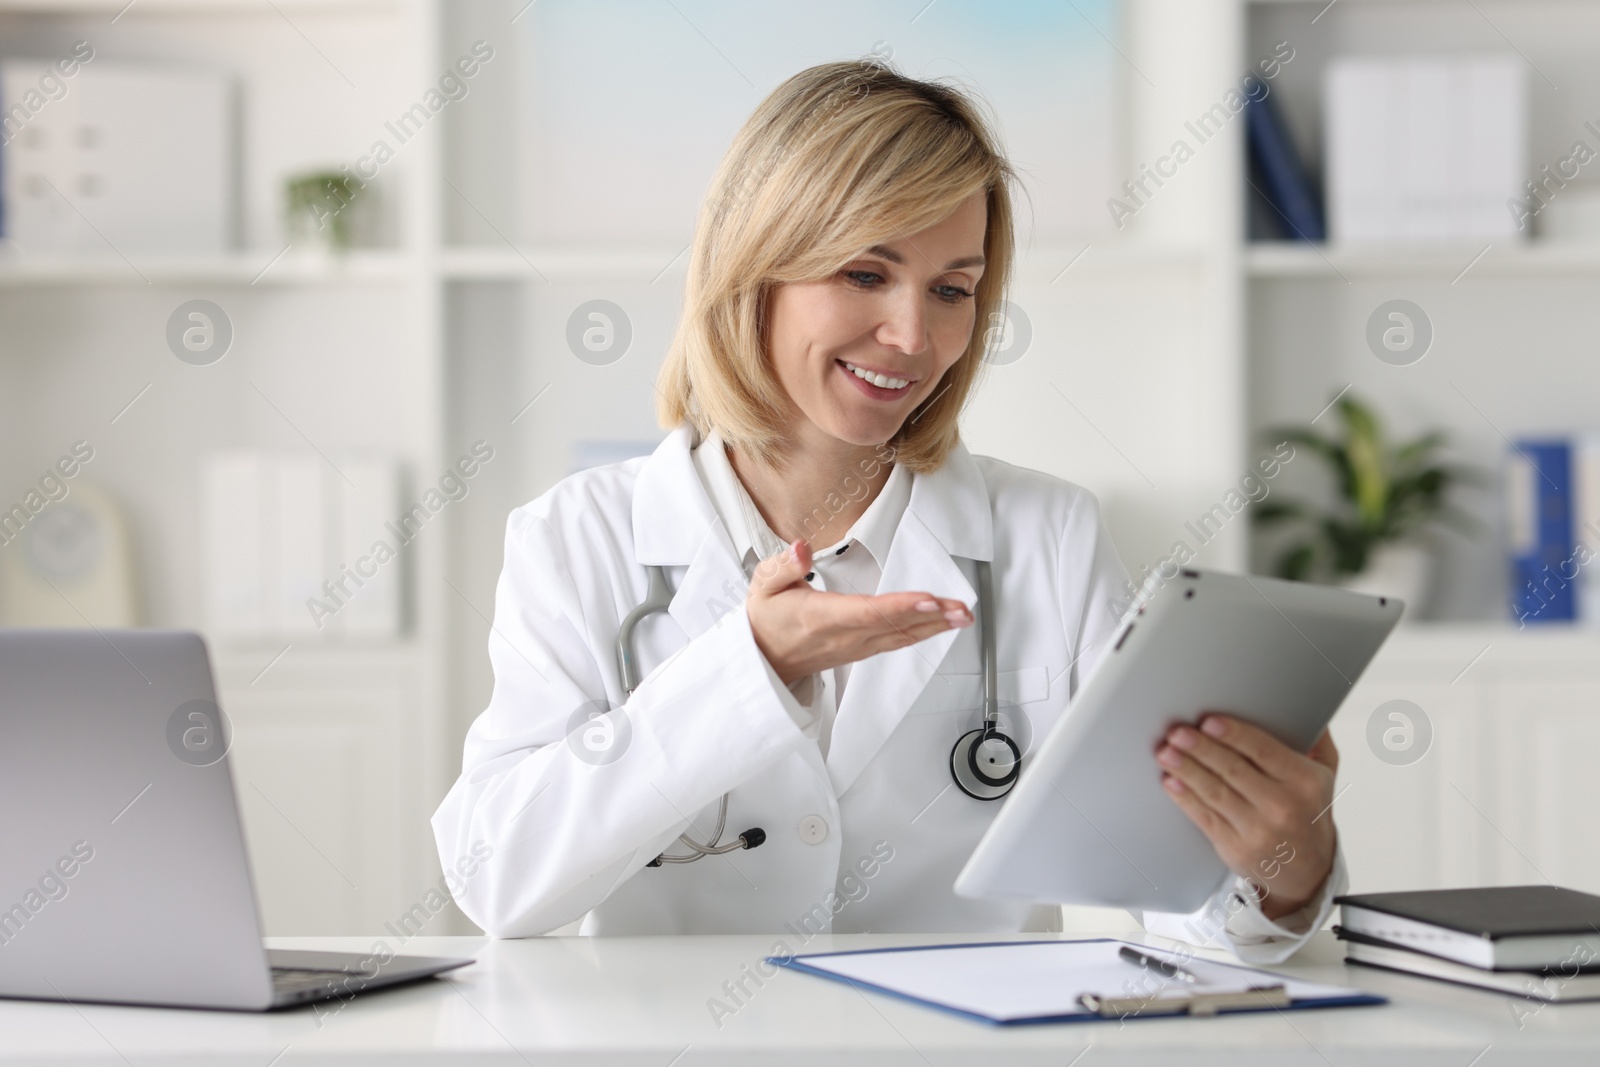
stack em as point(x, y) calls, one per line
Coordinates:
point(572, 808)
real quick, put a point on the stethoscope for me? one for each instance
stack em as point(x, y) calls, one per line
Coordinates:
point(985, 762)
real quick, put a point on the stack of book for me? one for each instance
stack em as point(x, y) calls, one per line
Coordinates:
point(1537, 941)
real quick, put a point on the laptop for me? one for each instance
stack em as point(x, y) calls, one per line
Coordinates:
point(123, 872)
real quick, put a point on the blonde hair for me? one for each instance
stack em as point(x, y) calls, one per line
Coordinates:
point(839, 157)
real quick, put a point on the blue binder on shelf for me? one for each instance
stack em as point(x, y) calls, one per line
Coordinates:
point(1539, 489)
point(1019, 983)
point(1286, 186)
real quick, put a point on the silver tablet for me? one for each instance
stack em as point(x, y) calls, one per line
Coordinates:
point(1088, 822)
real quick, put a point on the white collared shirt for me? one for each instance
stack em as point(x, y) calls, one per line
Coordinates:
point(853, 564)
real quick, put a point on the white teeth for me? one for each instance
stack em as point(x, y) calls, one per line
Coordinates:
point(882, 381)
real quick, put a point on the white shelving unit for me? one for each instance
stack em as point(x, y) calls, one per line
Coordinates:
point(341, 749)
point(1499, 797)
point(233, 270)
point(1509, 317)
point(1454, 265)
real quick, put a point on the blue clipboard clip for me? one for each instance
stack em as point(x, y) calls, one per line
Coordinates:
point(1197, 1003)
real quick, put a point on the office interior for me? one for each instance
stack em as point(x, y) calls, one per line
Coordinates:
point(326, 296)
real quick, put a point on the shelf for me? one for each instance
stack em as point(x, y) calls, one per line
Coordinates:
point(1449, 263)
point(1066, 260)
point(262, 268)
point(1457, 643)
point(194, 7)
point(549, 263)
point(554, 263)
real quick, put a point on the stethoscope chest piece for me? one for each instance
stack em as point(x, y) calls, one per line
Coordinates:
point(985, 763)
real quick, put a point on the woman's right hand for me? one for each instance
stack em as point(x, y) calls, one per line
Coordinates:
point(802, 630)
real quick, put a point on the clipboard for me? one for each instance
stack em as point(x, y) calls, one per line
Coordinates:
point(1019, 983)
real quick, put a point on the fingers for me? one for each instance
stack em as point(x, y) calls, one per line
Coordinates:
point(1325, 752)
point(891, 639)
point(1226, 763)
point(1186, 776)
point(910, 606)
point(783, 570)
point(1254, 798)
point(903, 619)
point(801, 630)
point(1275, 759)
point(1210, 822)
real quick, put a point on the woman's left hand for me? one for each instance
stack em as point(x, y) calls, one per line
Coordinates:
point(1265, 807)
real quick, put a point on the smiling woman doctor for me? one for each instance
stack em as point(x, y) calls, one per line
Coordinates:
point(796, 568)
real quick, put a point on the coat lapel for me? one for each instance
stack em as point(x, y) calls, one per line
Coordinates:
point(948, 516)
point(675, 524)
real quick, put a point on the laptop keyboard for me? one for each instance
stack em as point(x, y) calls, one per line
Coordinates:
point(302, 979)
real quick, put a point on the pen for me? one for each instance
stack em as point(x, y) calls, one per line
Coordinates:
point(1160, 966)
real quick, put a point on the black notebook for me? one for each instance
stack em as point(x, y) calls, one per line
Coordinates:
point(1557, 984)
point(1492, 927)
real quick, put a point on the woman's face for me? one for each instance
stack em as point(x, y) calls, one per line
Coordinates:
point(858, 352)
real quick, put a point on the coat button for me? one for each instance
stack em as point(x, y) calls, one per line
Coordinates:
point(813, 829)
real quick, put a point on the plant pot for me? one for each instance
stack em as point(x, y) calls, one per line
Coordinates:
point(1398, 570)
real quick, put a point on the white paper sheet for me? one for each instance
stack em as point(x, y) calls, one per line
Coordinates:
point(1029, 980)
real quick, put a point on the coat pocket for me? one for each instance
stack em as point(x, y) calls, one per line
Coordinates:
point(947, 692)
point(1024, 715)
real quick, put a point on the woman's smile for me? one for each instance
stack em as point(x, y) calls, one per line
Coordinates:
point(876, 383)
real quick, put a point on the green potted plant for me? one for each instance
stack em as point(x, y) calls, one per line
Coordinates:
point(1373, 537)
point(317, 209)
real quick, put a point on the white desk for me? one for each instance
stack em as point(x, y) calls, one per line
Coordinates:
point(643, 1001)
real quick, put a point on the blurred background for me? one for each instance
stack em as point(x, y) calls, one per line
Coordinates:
point(299, 299)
